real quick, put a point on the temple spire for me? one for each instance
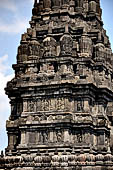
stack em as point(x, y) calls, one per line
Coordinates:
point(61, 96)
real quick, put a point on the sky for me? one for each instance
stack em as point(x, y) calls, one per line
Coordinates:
point(14, 20)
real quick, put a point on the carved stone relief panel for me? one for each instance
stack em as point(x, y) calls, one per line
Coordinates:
point(60, 105)
point(44, 137)
point(66, 45)
point(47, 4)
point(48, 104)
point(80, 136)
point(47, 68)
point(79, 106)
point(49, 47)
point(38, 104)
point(58, 136)
point(31, 106)
point(87, 138)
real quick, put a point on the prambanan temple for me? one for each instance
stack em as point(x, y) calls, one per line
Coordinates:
point(62, 94)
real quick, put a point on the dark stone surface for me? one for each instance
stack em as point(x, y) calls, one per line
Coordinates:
point(62, 93)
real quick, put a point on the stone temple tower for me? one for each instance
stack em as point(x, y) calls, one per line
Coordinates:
point(62, 94)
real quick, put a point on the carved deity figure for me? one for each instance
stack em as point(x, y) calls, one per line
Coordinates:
point(60, 104)
point(99, 50)
point(34, 49)
point(59, 136)
point(66, 44)
point(80, 106)
point(31, 106)
point(79, 137)
point(50, 47)
point(56, 3)
point(45, 137)
point(47, 4)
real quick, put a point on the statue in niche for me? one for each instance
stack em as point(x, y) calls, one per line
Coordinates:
point(79, 137)
point(80, 106)
point(50, 67)
point(45, 137)
point(66, 44)
point(60, 104)
point(46, 105)
point(52, 104)
point(56, 3)
point(34, 48)
point(38, 105)
point(59, 136)
point(49, 47)
point(43, 68)
point(99, 50)
point(47, 4)
point(87, 138)
point(31, 106)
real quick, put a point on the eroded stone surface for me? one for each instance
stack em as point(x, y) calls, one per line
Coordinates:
point(61, 96)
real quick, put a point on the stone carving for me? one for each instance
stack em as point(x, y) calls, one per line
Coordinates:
point(79, 138)
point(62, 93)
point(80, 106)
point(60, 104)
point(31, 106)
point(47, 68)
point(22, 53)
point(99, 50)
point(56, 3)
point(59, 136)
point(34, 48)
point(85, 46)
point(47, 4)
point(45, 137)
point(66, 44)
point(50, 118)
point(92, 6)
point(43, 118)
point(49, 47)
